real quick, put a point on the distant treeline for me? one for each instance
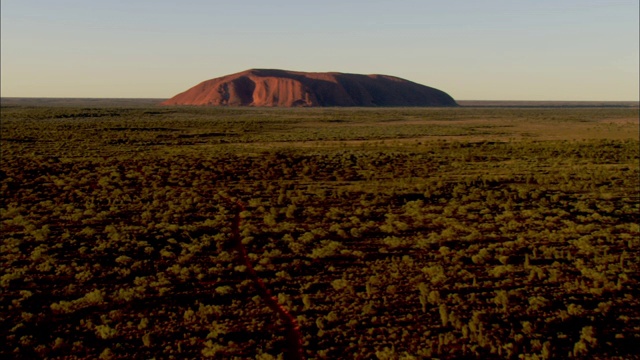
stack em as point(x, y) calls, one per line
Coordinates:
point(79, 102)
point(548, 104)
point(128, 102)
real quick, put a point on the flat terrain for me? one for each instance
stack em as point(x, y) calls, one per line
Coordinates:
point(471, 232)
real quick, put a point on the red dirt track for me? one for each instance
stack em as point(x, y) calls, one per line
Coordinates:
point(295, 350)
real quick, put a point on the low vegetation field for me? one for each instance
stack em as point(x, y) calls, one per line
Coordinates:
point(473, 232)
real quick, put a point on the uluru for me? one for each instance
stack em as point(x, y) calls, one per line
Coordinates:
point(282, 88)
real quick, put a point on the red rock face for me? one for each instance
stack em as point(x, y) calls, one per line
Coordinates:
point(263, 87)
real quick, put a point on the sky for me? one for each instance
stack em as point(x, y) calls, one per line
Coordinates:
point(565, 50)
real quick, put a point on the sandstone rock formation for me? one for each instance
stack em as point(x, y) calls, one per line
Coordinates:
point(267, 87)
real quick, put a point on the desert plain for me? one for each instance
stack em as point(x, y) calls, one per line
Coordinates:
point(132, 230)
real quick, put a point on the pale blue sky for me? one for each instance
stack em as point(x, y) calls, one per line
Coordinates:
point(480, 50)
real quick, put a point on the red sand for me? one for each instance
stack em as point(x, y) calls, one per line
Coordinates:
point(281, 88)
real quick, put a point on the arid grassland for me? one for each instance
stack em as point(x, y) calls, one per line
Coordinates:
point(386, 233)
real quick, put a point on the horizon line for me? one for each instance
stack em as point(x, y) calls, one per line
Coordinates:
point(165, 98)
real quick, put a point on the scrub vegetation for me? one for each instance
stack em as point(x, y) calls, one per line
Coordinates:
point(385, 233)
